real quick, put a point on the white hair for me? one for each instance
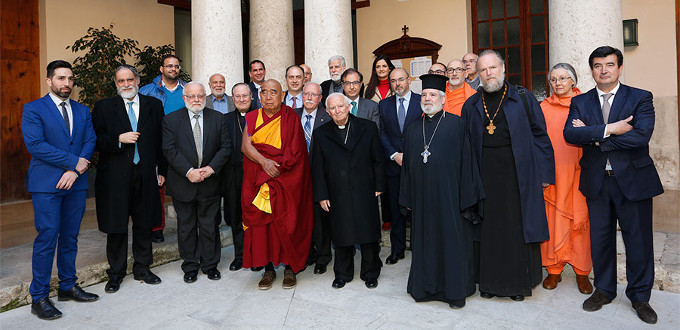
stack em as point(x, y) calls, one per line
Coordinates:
point(344, 97)
point(335, 58)
point(192, 83)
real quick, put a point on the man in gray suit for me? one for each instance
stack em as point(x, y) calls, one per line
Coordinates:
point(352, 84)
point(218, 98)
point(313, 115)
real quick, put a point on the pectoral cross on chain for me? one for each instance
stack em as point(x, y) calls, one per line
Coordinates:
point(425, 154)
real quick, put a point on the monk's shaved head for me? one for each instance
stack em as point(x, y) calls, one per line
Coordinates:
point(271, 96)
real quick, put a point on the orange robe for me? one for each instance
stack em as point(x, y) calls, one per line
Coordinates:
point(565, 206)
point(455, 99)
point(277, 212)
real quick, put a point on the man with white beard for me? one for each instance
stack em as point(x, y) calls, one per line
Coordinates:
point(128, 128)
point(336, 66)
point(457, 90)
point(195, 179)
point(515, 158)
point(218, 99)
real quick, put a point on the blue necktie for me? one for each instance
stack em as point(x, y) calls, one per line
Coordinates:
point(308, 130)
point(354, 107)
point(401, 114)
point(133, 123)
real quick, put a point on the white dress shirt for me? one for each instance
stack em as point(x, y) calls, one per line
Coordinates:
point(69, 112)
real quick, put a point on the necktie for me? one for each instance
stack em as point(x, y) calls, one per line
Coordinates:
point(295, 103)
point(354, 107)
point(133, 123)
point(308, 130)
point(65, 114)
point(336, 87)
point(605, 114)
point(401, 114)
point(198, 140)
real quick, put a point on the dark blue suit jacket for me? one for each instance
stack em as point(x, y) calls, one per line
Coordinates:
point(256, 97)
point(53, 151)
point(628, 153)
point(391, 137)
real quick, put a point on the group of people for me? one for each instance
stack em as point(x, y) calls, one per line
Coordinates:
point(505, 187)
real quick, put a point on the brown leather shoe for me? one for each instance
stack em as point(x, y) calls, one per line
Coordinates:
point(584, 285)
point(289, 280)
point(267, 280)
point(551, 281)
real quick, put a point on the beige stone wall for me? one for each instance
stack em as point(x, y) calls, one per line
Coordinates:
point(62, 22)
point(442, 21)
point(652, 66)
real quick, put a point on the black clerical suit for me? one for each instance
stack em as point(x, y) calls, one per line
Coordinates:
point(196, 203)
point(348, 171)
point(233, 180)
point(123, 188)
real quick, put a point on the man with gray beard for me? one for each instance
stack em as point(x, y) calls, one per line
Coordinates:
point(515, 159)
point(196, 144)
point(128, 128)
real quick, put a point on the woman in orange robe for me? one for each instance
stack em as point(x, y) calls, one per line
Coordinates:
point(565, 206)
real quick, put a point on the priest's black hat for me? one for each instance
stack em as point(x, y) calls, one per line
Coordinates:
point(434, 81)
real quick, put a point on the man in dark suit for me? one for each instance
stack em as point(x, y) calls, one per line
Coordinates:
point(352, 85)
point(59, 136)
point(257, 74)
point(614, 122)
point(313, 115)
point(336, 66)
point(218, 99)
point(196, 145)
point(233, 170)
point(128, 130)
point(397, 112)
point(295, 76)
point(348, 178)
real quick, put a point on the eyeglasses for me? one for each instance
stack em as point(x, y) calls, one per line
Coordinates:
point(436, 72)
point(311, 94)
point(561, 79)
point(195, 96)
point(401, 80)
point(172, 66)
point(351, 83)
point(455, 70)
point(469, 61)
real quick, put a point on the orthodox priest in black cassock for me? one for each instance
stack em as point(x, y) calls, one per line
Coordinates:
point(440, 183)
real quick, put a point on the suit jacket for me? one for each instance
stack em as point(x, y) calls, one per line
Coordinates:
point(322, 117)
point(180, 151)
point(349, 174)
point(53, 149)
point(256, 97)
point(325, 90)
point(368, 109)
point(628, 153)
point(235, 129)
point(391, 137)
point(114, 168)
point(230, 102)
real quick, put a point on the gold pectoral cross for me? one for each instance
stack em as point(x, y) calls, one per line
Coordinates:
point(491, 128)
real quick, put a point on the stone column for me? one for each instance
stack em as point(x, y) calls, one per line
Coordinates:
point(271, 36)
point(328, 32)
point(217, 42)
point(577, 27)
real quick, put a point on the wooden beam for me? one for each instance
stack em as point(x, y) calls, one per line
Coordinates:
point(360, 4)
point(181, 4)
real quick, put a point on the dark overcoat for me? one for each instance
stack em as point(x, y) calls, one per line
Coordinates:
point(348, 175)
point(114, 167)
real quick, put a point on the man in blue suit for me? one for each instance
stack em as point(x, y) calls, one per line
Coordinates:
point(614, 122)
point(257, 75)
point(397, 112)
point(59, 136)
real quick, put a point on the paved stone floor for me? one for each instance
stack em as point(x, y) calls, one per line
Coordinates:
point(234, 302)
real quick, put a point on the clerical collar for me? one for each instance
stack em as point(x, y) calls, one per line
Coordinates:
point(343, 126)
point(430, 117)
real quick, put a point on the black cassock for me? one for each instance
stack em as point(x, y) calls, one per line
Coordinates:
point(442, 266)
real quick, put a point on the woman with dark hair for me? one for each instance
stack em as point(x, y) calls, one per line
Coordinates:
point(378, 87)
point(565, 205)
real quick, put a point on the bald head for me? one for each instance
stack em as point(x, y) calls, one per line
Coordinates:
point(470, 61)
point(217, 85)
point(456, 73)
point(308, 72)
point(271, 95)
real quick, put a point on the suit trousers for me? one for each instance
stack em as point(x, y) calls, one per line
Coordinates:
point(370, 262)
point(234, 214)
point(635, 220)
point(398, 229)
point(198, 233)
point(162, 225)
point(321, 237)
point(57, 220)
point(117, 243)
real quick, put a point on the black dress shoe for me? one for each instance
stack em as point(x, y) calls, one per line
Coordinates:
point(236, 264)
point(338, 283)
point(213, 274)
point(596, 301)
point(486, 295)
point(256, 269)
point(77, 294)
point(157, 236)
point(190, 276)
point(148, 277)
point(319, 269)
point(394, 258)
point(45, 310)
point(113, 284)
point(517, 298)
point(371, 284)
point(456, 304)
point(645, 312)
